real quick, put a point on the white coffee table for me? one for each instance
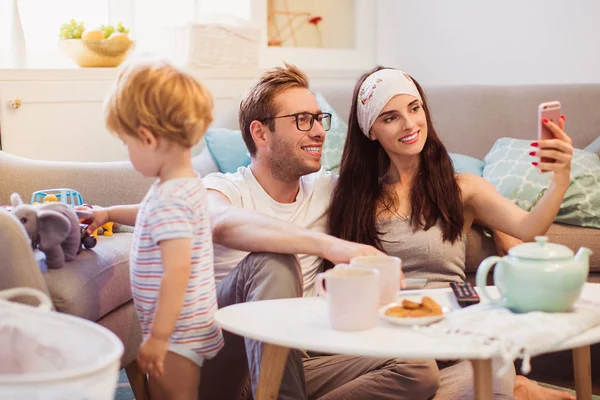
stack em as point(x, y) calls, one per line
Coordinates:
point(302, 323)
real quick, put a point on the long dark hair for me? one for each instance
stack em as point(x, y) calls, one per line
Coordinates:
point(435, 194)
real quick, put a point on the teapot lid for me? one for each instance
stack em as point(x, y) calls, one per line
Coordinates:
point(541, 250)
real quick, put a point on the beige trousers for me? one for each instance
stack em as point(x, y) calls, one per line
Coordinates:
point(262, 276)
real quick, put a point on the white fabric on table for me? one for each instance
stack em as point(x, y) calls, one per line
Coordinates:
point(515, 335)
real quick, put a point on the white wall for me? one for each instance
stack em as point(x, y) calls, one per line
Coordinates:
point(491, 42)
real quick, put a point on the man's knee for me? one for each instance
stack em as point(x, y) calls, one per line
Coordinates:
point(422, 378)
point(282, 270)
point(281, 266)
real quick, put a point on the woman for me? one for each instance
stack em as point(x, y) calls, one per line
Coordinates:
point(401, 193)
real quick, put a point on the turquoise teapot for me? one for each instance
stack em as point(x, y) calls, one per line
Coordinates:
point(538, 276)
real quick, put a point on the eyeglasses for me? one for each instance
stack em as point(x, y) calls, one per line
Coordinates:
point(305, 120)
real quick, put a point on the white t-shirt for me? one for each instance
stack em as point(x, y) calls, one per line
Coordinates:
point(308, 211)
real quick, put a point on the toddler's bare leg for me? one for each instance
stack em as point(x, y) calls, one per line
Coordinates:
point(181, 380)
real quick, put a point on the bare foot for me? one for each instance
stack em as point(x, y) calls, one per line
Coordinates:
point(526, 389)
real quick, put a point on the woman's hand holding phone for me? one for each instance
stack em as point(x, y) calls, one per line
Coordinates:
point(555, 152)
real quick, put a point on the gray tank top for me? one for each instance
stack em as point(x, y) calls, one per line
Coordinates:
point(423, 253)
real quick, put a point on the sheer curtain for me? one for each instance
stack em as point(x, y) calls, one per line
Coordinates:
point(147, 19)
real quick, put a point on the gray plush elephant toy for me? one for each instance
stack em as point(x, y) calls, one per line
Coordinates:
point(53, 227)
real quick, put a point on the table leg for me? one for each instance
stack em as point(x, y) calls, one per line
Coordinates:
point(583, 372)
point(271, 371)
point(482, 379)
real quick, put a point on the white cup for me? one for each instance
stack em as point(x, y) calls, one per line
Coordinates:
point(352, 296)
point(389, 269)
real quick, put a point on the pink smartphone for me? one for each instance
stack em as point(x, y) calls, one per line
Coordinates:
point(550, 111)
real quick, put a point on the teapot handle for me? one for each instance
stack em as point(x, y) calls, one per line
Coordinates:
point(481, 277)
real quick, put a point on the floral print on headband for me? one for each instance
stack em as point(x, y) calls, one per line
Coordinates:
point(367, 92)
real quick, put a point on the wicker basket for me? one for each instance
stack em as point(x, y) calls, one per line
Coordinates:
point(215, 45)
point(96, 53)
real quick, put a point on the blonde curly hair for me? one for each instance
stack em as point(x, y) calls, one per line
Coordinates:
point(161, 98)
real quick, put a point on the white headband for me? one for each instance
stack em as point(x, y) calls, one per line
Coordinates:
point(377, 90)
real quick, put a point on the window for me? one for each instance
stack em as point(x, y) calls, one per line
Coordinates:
point(147, 19)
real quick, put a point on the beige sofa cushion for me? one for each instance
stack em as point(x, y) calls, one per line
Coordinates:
point(101, 183)
point(96, 282)
point(575, 237)
point(480, 246)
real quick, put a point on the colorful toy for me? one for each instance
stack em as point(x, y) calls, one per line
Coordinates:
point(50, 198)
point(88, 241)
point(63, 195)
point(106, 229)
point(52, 227)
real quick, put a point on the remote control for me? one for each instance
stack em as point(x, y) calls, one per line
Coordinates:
point(465, 294)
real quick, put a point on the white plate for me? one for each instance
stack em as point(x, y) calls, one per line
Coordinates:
point(409, 321)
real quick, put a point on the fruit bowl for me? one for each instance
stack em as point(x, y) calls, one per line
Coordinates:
point(96, 53)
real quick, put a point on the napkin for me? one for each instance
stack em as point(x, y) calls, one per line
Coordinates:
point(515, 335)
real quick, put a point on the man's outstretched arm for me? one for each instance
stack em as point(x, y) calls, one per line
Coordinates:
point(251, 231)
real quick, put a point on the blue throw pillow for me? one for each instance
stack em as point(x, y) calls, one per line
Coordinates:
point(508, 167)
point(335, 138)
point(463, 163)
point(227, 148)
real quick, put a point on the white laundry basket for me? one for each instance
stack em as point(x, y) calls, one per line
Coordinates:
point(51, 356)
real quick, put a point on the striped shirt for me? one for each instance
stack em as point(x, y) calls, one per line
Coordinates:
point(177, 209)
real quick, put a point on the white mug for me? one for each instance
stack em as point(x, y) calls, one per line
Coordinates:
point(352, 296)
point(389, 269)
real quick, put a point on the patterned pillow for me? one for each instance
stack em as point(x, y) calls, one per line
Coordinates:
point(331, 155)
point(508, 167)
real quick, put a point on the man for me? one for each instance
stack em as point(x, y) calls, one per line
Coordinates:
point(272, 210)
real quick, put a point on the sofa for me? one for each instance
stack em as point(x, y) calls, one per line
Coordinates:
point(468, 119)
